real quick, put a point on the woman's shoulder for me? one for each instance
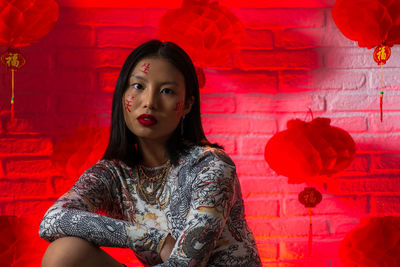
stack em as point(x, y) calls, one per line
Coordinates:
point(199, 153)
point(104, 166)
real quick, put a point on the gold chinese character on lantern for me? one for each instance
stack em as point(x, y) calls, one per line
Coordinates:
point(382, 54)
point(13, 59)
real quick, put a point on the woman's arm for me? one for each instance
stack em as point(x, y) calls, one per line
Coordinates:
point(211, 200)
point(73, 214)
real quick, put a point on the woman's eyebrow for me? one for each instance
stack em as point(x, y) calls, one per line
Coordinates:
point(138, 77)
point(144, 79)
point(170, 83)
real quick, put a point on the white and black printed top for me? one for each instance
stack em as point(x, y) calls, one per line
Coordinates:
point(201, 206)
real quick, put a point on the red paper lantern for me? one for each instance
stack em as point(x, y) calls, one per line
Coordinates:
point(310, 197)
point(74, 154)
point(23, 22)
point(290, 153)
point(209, 32)
point(376, 242)
point(341, 142)
point(369, 22)
point(13, 59)
point(382, 54)
point(307, 150)
point(372, 23)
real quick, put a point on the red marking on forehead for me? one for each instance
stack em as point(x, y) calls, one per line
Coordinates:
point(145, 68)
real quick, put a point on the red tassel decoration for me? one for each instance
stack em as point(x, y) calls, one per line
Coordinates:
point(381, 55)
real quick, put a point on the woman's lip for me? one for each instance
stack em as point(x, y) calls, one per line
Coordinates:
point(147, 120)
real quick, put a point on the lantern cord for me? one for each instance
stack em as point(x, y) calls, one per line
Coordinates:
point(309, 211)
point(381, 94)
point(309, 113)
point(12, 94)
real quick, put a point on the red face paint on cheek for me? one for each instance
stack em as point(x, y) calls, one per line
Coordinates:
point(145, 68)
point(179, 108)
point(128, 104)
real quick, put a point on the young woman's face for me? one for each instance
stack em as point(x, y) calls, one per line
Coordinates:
point(155, 99)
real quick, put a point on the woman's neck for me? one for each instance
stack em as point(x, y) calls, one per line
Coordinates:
point(153, 153)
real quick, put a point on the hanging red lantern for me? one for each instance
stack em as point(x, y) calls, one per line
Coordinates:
point(310, 197)
point(24, 22)
point(208, 32)
point(376, 242)
point(382, 54)
point(21, 23)
point(372, 23)
point(13, 60)
point(305, 151)
point(290, 153)
point(365, 21)
point(341, 142)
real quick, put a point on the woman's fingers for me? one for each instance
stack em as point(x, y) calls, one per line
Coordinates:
point(167, 248)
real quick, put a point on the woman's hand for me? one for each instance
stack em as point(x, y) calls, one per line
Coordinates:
point(167, 248)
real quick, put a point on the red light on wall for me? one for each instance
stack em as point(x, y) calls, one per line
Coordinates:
point(120, 3)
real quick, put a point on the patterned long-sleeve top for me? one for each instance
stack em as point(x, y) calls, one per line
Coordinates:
point(200, 205)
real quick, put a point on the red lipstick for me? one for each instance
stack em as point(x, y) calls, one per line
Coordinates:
point(147, 120)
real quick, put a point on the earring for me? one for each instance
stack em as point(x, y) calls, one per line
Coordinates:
point(183, 118)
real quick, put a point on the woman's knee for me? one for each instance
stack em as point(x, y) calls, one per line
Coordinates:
point(68, 251)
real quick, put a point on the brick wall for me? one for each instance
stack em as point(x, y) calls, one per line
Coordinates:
point(293, 59)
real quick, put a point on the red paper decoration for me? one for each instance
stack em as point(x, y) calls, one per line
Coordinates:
point(21, 23)
point(375, 243)
point(13, 59)
point(25, 21)
point(209, 32)
point(369, 22)
point(310, 197)
point(74, 154)
point(372, 23)
point(307, 150)
point(382, 54)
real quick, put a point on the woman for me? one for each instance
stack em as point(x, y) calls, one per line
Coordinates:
point(167, 193)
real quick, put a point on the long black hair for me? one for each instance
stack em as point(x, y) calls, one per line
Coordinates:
point(122, 144)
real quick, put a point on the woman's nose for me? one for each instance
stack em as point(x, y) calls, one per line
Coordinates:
point(150, 99)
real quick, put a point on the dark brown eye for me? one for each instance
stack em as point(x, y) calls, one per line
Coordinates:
point(167, 91)
point(137, 86)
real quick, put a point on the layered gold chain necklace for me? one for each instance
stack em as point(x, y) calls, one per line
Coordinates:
point(151, 188)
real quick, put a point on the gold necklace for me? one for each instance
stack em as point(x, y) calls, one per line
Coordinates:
point(156, 184)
